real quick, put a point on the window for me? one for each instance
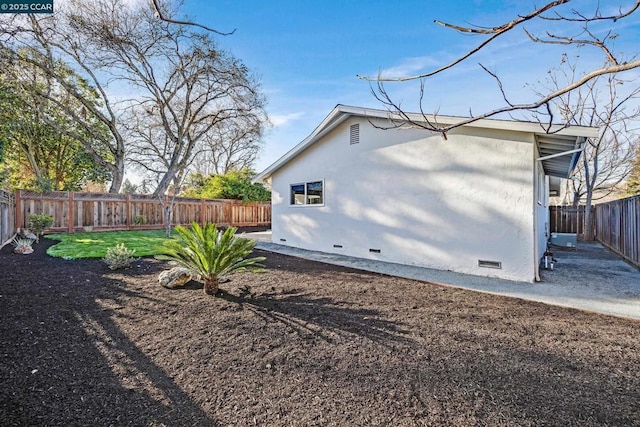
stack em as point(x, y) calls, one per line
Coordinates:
point(314, 193)
point(308, 193)
point(297, 194)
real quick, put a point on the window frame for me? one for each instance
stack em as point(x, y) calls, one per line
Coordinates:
point(306, 195)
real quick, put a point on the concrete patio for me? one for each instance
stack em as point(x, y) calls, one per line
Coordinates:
point(587, 278)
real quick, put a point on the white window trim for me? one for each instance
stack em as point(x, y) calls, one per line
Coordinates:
point(308, 205)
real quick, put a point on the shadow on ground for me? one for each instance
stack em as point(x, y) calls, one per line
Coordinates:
point(68, 362)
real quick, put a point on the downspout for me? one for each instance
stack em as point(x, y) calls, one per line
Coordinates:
point(536, 265)
point(536, 261)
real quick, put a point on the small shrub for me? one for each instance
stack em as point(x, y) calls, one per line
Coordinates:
point(25, 233)
point(119, 256)
point(140, 220)
point(37, 223)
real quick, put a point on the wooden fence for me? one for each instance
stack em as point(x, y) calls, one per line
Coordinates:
point(619, 227)
point(105, 211)
point(568, 219)
point(7, 217)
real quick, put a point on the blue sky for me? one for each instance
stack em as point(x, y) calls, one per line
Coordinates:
point(308, 53)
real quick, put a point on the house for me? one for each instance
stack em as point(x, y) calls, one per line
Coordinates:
point(474, 202)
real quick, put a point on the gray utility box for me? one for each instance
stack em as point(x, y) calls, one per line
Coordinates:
point(567, 240)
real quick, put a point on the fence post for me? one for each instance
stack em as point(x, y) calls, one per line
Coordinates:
point(70, 228)
point(202, 212)
point(128, 210)
point(18, 210)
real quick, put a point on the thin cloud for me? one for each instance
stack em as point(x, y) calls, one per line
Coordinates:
point(410, 66)
point(283, 119)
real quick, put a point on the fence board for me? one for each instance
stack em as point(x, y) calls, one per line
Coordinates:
point(7, 217)
point(568, 219)
point(618, 227)
point(104, 211)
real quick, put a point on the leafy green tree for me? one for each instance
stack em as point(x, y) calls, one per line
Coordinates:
point(128, 187)
point(633, 182)
point(209, 253)
point(45, 149)
point(235, 184)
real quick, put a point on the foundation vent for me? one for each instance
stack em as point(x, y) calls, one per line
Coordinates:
point(489, 264)
point(283, 240)
point(374, 251)
point(337, 246)
point(354, 134)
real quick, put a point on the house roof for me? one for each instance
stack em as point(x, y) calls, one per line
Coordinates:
point(559, 147)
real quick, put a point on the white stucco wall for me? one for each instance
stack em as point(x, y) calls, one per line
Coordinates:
point(418, 198)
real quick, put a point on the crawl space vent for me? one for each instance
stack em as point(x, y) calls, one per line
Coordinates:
point(354, 134)
point(489, 264)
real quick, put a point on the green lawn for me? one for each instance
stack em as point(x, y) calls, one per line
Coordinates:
point(95, 244)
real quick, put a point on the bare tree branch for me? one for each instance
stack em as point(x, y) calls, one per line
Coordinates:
point(163, 17)
point(429, 122)
point(594, 41)
point(613, 63)
point(495, 33)
point(596, 16)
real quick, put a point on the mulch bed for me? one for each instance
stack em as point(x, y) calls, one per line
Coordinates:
point(303, 344)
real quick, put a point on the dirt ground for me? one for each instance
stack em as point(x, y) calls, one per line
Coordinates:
point(303, 344)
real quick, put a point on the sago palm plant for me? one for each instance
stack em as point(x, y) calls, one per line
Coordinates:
point(209, 253)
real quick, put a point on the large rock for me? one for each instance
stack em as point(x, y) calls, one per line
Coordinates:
point(23, 249)
point(175, 277)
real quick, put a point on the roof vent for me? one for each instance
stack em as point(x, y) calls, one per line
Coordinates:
point(489, 264)
point(354, 134)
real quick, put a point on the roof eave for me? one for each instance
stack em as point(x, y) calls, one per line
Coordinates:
point(341, 112)
point(559, 155)
point(338, 115)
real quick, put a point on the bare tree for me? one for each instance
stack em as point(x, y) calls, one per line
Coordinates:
point(574, 21)
point(185, 86)
point(609, 103)
point(114, 44)
point(231, 145)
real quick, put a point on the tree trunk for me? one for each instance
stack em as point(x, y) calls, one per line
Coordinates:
point(168, 211)
point(116, 182)
point(589, 225)
point(211, 285)
point(117, 176)
point(589, 221)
